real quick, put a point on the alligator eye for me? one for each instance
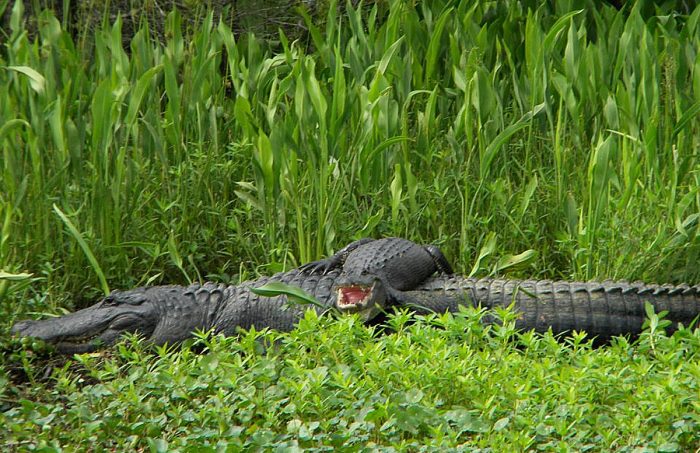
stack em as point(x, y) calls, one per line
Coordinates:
point(110, 301)
point(136, 299)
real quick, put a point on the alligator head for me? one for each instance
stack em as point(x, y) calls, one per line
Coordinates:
point(365, 294)
point(146, 311)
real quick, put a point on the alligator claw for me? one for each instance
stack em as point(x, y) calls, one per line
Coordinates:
point(439, 259)
point(334, 261)
point(322, 266)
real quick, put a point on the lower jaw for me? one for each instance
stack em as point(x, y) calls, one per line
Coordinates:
point(87, 345)
point(366, 313)
point(351, 308)
point(75, 348)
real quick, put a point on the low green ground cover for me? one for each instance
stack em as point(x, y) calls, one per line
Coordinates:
point(439, 383)
point(525, 139)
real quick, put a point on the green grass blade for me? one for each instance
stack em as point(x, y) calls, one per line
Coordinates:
point(689, 115)
point(14, 277)
point(494, 147)
point(85, 248)
point(435, 44)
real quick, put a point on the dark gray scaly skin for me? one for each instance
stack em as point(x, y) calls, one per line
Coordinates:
point(602, 309)
point(170, 314)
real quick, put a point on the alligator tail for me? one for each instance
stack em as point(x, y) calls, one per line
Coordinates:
point(603, 309)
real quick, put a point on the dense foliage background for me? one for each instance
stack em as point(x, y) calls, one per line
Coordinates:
point(524, 139)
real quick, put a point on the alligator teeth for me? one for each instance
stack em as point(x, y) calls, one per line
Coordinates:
point(80, 339)
point(352, 296)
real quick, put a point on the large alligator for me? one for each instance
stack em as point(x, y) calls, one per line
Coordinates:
point(359, 278)
point(601, 309)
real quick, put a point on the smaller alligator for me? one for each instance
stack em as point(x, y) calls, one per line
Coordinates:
point(603, 310)
point(398, 263)
point(355, 280)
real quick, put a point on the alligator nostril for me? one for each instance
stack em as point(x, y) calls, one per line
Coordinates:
point(21, 326)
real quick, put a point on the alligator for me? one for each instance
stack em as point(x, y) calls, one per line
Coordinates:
point(602, 309)
point(366, 277)
point(360, 278)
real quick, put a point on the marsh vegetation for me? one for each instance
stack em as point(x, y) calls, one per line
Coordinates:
point(525, 140)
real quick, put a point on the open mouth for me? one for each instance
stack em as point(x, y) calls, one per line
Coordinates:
point(354, 297)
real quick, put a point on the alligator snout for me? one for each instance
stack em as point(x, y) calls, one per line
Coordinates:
point(22, 327)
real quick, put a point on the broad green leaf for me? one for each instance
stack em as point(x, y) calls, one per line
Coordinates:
point(173, 107)
point(265, 159)
point(16, 17)
point(176, 257)
point(556, 29)
point(483, 96)
point(513, 260)
point(487, 249)
point(11, 124)
point(460, 78)
point(372, 222)
point(389, 55)
point(139, 91)
point(527, 195)
point(600, 170)
point(396, 191)
point(101, 108)
point(435, 44)
point(56, 123)
point(387, 143)
point(243, 114)
point(411, 187)
point(466, 421)
point(690, 114)
point(36, 80)
point(610, 112)
point(572, 54)
point(339, 88)
point(313, 88)
point(295, 294)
